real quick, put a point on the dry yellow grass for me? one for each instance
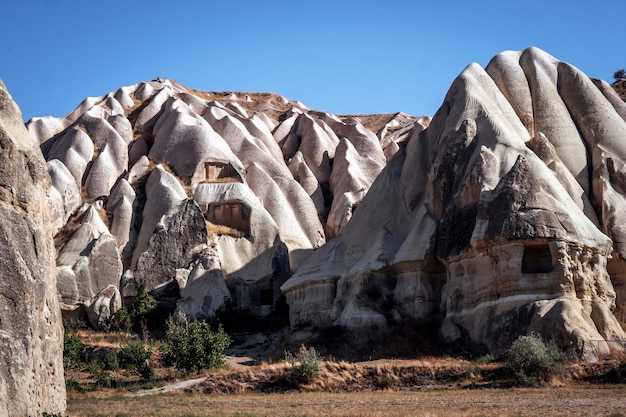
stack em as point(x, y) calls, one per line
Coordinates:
point(218, 229)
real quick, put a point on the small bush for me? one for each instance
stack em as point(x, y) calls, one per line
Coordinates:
point(71, 385)
point(306, 365)
point(194, 346)
point(73, 349)
point(100, 375)
point(619, 74)
point(534, 361)
point(134, 356)
point(386, 382)
point(485, 359)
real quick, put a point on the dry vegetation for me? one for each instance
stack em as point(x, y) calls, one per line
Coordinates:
point(429, 386)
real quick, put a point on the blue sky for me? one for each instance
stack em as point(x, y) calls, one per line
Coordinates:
point(345, 57)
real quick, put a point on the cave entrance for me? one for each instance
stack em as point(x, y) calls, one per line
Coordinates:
point(537, 259)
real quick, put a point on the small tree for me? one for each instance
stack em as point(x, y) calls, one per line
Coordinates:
point(534, 361)
point(134, 317)
point(194, 346)
point(619, 74)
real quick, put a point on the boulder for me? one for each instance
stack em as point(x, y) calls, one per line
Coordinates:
point(101, 308)
point(31, 332)
point(203, 290)
point(174, 245)
point(89, 261)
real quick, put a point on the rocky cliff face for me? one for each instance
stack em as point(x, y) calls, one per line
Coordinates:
point(503, 217)
point(161, 184)
point(31, 334)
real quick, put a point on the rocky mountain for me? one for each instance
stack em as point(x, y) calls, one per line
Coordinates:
point(505, 216)
point(202, 196)
point(31, 333)
point(500, 216)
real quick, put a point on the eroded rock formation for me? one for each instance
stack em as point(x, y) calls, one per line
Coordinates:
point(505, 216)
point(31, 333)
point(161, 184)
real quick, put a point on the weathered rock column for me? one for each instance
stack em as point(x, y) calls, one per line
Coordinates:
point(31, 332)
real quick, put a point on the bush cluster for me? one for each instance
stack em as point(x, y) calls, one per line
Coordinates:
point(534, 361)
point(194, 346)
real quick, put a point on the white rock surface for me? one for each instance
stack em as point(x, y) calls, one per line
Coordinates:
point(31, 331)
point(141, 151)
point(502, 216)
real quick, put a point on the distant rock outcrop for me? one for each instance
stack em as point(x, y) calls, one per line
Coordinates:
point(161, 184)
point(31, 333)
point(504, 217)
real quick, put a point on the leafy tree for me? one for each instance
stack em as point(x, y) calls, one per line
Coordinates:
point(619, 74)
point(194, 346)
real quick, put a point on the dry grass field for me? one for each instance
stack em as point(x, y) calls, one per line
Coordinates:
point(599, 400)
point(430, 387)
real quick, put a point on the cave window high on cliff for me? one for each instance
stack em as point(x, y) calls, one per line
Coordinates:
point(216, 171)
point(537, 259)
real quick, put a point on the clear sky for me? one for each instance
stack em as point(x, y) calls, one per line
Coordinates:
point(345, 57)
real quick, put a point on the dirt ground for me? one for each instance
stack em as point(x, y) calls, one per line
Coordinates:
point(609, 401)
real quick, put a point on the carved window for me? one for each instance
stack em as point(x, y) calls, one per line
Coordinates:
point(266, 297)
point(537, 259)
point(233, 214)
point(214, 171)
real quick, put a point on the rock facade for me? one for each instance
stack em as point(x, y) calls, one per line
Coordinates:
point(152, 178)
point(31, 332)
point(503, 217)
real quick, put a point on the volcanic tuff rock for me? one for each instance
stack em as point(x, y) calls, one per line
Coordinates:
point(31, 333)
point(161, 184)
point(505, 216)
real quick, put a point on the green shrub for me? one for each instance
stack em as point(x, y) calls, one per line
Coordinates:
point(619, 74)
point(485, 359)
point(73, 349)
point(194, 346)
point(534, 361)
point(134, 356)
point(101, 376)
point(71, 385)
point(134, 317)
point(121, 320)
point(305, 366)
